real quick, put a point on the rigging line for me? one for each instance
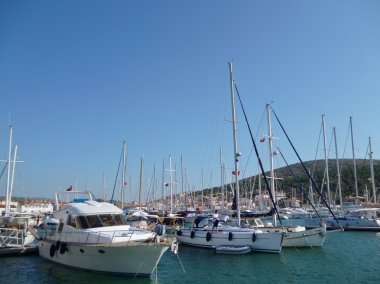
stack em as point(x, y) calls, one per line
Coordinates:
point(328, 151)
point(345, 145)
point(258, 157)
point(298, 184)
point(316, 152)
point(6, 163)
point(117, 174)
point(303, 165)
point(257, 133)
point(151, 187)
point(5, 166)
point(364, 160)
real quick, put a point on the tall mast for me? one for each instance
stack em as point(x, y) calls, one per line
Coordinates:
point(182, 192)
point(211, 191)
point(141, 176)
point(236, 153)
point(338, 169)
point(261, 197)
point(123, 183)
point(163, 182)
point(354, 161)
point(372, 172)
point(270, 137)
point(326, 161)
point(13, 174)
point(221, 175)
point(171, 184)
point(7, 200)
point(104, 188)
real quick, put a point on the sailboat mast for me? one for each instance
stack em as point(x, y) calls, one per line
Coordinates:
point(372, 171)
point(211, 191)
point(354, 161)
point(141, 175)
point(221, 176)
point(326, 161)
point(337, 169)
point(182, 185)
point(270, 137)
point(7, 200)
point(236, 153)
point(163, 182)
point(202, 191)
point(13, 174)
point(122, 188)
point(171, 184)
point(261, 197)
point(104, 188)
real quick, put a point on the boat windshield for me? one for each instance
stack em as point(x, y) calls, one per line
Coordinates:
point(201, 222)
point(101, 220)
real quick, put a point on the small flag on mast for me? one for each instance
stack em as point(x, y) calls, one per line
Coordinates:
point(70, 188)
point(262, 139)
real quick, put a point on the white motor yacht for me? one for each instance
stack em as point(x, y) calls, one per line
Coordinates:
point(91, 235)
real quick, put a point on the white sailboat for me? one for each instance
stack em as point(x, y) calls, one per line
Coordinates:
point(14, 235)
point(198, 231)
point(296, 236)
point(357, 218)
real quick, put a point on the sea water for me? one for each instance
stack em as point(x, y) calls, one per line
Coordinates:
point(346, 257)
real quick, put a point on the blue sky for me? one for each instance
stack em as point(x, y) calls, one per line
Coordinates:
point(77, 78)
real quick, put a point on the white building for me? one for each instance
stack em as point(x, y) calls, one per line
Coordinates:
point(37, 208)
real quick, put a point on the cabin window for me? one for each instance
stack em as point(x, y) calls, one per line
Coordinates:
point(107, 220)
point(71, 221)
point(94, 221)
point(82, 222)
point(60, 226)
point(188, 225)
point(119, 220)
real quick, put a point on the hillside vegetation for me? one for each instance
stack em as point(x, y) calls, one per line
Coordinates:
point(286, 182)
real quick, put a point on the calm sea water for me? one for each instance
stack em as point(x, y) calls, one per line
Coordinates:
point(350, 257)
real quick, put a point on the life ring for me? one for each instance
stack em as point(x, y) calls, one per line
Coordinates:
point(253, 237)
point(63, 248)
point(192, 234)
point(57, 245)
point(208, 236)
point(179, 233)
point(52, 250)
point(230, 235)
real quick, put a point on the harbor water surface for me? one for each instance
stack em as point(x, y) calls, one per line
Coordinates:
point(349, 257)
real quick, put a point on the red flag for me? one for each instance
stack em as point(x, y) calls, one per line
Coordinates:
point(262, 140)
point(70, 188)
point(234, 173)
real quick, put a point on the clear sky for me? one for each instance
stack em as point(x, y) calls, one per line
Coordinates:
point(77, 78)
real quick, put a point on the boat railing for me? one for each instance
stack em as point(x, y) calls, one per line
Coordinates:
point(102, 237)
point(11, 236)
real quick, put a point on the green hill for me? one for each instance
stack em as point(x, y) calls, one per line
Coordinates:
point(285, 181)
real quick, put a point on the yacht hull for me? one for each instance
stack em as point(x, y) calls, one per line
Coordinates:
point(307, 238)
point(138, 259)
point(256, 240)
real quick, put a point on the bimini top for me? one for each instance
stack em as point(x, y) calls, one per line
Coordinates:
point(83, 203)
point(92, 207)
